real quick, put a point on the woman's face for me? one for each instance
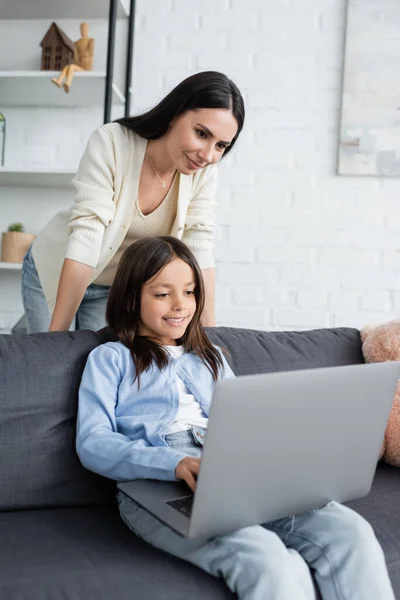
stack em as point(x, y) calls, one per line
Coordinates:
point(199, 137)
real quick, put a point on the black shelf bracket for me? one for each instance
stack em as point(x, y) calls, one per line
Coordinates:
point(129, 58)
point(112, 21)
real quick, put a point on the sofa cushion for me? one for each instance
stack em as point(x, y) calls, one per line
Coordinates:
point(261, 351)
point(381, 508)
point(39, 379)
point(88, 554)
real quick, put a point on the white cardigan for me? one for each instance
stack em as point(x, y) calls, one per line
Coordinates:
point(106, 187)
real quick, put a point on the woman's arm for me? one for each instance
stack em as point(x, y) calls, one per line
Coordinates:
point(208, 314)
point(93, 211)
point(74, 279)
point(199, 237)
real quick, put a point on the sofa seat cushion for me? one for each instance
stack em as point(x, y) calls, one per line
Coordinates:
point(381, 508)
point(88, 554)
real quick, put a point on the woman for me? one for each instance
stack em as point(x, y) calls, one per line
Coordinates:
point(149, 175)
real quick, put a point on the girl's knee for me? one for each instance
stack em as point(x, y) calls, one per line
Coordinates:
point(265, 566)
point(358, 530)
point(256, 567)
point(263, 551)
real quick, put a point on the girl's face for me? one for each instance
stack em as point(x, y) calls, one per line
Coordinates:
point(199, 138)
point(168, 303)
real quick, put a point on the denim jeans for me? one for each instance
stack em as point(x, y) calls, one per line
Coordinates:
point(90, 314)
point(262, 562)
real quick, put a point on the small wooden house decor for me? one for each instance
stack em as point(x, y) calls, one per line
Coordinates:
point(58, 50)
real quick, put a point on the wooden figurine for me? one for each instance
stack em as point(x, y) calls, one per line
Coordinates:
point(57, 49)
point(84, 50)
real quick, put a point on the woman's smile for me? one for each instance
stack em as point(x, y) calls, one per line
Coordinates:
point(192, 164)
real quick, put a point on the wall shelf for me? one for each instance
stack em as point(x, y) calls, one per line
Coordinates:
point(57, 178)
point(60, 9)
point(10, 266)
point(34, 88)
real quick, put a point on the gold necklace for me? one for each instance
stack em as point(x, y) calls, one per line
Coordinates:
point(163, 183)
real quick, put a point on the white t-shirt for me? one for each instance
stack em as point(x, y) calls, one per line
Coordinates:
point(189, 412)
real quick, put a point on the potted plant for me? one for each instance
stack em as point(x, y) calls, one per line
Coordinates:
point(15, 243)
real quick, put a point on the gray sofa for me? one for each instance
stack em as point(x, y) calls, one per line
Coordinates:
point(61, 536)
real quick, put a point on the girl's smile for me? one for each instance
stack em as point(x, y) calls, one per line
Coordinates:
point(175, 322)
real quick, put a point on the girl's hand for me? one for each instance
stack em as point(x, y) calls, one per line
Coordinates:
point(188, 469)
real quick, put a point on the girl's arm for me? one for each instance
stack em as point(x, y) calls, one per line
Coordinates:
point(100, 447)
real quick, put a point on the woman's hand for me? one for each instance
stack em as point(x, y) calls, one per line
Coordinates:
point(188, 469)
point(208, 314)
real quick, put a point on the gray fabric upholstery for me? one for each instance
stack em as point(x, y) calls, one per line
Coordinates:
point(88, 554)
point(253, 351)
point(39, 379)
point(381, 508)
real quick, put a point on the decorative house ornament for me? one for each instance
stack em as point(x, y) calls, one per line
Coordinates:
point(83, 59)
point(57, 49)
point(2, 138)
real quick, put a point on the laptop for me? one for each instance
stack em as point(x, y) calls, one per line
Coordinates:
point(279, 444)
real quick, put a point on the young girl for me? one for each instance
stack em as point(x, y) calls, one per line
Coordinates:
point(143, 407)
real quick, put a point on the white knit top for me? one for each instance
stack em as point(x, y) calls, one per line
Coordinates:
point(107, 181)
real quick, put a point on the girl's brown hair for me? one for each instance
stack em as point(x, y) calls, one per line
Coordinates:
point(140, 262)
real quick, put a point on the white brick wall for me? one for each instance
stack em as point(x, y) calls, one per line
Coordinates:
point(297, 246)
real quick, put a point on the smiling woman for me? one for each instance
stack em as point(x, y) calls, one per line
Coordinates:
point(150, 175)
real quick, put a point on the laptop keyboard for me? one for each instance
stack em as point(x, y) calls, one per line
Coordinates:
point(183, 505)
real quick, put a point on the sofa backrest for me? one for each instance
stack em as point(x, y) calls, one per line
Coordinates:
point(39, 381)
point(253, 351)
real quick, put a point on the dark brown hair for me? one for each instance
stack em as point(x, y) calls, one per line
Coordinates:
point(140, 262)
point(208, 89)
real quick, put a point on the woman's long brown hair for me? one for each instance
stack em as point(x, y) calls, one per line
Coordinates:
point(140, 262)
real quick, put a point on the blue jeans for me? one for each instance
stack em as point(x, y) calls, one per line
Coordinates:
point(258, 563)
point(90, 314)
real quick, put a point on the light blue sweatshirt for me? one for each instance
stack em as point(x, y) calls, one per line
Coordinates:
point(121, 430)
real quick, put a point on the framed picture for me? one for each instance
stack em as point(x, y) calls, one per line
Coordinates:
point(370, 118)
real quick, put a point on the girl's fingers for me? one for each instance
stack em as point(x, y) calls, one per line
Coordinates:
point(195, 466)
point(190, 480)
point(188, 469)
point(192, 472)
